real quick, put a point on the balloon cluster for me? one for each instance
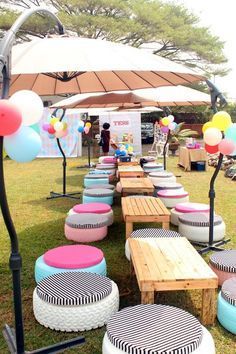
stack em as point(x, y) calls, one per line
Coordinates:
point(220, 134)
point(84, 127)
point(55, 128)
point(124, 149)
point(167, 123)
point(18, 118)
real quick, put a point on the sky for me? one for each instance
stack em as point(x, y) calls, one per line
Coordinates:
point(220, 17)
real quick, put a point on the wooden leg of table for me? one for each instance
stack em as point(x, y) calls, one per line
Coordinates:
point(129, 229)
point(208, 311)
point(147, 297)
point(166, 225)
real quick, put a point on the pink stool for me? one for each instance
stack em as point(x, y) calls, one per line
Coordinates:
point(94, 208)
point(223, 263)
point(171, 197)
point(86, 227)
point(182, 208)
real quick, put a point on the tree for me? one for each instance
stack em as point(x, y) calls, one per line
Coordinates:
point(170, 30)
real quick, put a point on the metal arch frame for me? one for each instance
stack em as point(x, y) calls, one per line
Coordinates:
point(15, 338)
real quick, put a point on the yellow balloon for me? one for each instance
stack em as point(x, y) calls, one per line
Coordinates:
point(54, 120)
point(4, 154)
point(165, 121)
point(206, 126)
point(65, 126)
point(88, 124)
point(221, 120)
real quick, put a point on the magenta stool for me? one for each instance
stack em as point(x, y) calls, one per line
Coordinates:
point(70, 258)
point(86, 227)
point(171, 197)
point(94, 208)
point(188, 207)
point(223, 263)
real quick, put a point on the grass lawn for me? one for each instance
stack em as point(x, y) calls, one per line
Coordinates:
point(40, 226)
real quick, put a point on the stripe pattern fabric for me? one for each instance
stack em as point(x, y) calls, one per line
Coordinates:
point(224, 260)
point(199, 219)
point(154, 329)
point(74, 288)
point(87, 221)
point(228, 291)
point(154, 233)
point(98, 192)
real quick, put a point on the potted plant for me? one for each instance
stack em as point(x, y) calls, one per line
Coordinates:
point(178, 135)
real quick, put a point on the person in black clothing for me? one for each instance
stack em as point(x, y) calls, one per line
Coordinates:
point(105, 136)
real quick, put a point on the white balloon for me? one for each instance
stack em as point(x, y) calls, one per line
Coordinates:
point(58, 126)
point(171, 118)
point(30, 106)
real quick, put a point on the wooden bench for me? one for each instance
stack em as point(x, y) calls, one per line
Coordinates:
point(130, 171)
point(148, 209)
point(136, 186)
point(162, 264)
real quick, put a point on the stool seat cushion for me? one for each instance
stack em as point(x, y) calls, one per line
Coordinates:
point(154, 329)
point(108, 160)
point(86, 221)
point(98, 175)
point(152, 232)
point(101, 186)
point(152, 165)
point(161, 174)
point(199, 219)
point(73, 256)
point(228, 291)
point(73, 289)
point(104, 173)
point(192, 207)
point(168, 185)
point(97, 208)
point(105, 166)
point(99, 192)
point(224, 260)
point(172, 193)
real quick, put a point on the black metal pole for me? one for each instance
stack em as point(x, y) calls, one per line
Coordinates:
point(164, 150)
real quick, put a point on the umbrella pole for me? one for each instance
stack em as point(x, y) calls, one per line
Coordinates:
point(54, 195)
point(164, 150)
point(15, 338)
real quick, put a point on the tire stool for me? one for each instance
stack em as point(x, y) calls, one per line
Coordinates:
point(195, 227)
point(162, 176)
point(167, 185)
point(226, 309)
point(107, 159)
point(103, 186)
point(75, 301)
point(98, 196)
point(70, 258)
point(94, 208)
point(106, 167)
point(149, 233)
point(150, 167)
point(171, 197)
point(223, 263)
point(188, 207)
point(91, 179)
point(156, 329)
point(86, 227)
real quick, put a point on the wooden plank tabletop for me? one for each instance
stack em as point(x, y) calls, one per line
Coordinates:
point(130, 168)
point(148, 206)
point(137, 183)
point(169, 264)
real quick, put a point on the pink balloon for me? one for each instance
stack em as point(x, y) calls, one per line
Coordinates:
point(212, 136)
point(46, 126)
point(10, 118)
point(59, 134)
point(86, 130)
point(227, 146)
point(164, 129)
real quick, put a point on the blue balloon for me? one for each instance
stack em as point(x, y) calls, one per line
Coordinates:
point(81, 129)
point(51, 136)
point(24, 145)
point(123, 153)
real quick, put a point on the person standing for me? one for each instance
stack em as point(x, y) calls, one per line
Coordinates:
point(105, 136)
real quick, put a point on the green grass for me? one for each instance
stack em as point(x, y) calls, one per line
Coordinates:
point(40, 226)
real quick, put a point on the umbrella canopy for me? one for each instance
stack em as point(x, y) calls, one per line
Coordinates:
point(60, 65)
point(162, 96)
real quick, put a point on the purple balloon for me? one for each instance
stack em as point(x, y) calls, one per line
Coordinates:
point(164, 129)
point(46, 126)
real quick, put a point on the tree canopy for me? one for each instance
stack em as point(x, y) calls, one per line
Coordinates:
point(170, 30)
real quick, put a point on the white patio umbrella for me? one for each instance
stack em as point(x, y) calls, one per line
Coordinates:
point(61, 65)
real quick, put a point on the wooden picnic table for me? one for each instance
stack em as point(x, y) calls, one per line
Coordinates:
point(144, 209)
point(163, 264)
point(136, 186)
point(130, 171)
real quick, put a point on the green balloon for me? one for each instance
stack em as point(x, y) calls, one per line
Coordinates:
point(35, 127)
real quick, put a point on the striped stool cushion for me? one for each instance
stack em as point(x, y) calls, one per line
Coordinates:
point(73, 289)
point(228, 291)
point(172, 193)
point(168, 185)
point(73, 256)
point(98, 175)
point(192, 207)
point(161, 174)
point(154, 329)
point(101, 186)
point(143, 233)
point(96, 208)
point(199, 219)
point(224, 260)
point(99, 192)
point(149, 158)
point(87, 221)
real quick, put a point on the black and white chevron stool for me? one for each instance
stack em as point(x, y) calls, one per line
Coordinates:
point(75, 301)
point(223, 263)
point(156, 329)
point(149, 233)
